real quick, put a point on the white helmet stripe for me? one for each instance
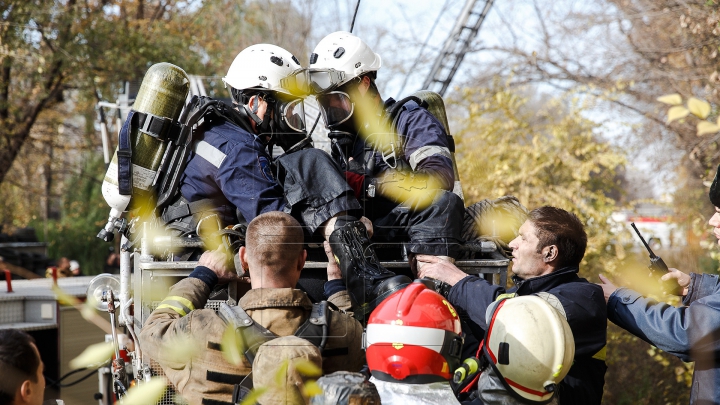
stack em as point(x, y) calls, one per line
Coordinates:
point(407, 335)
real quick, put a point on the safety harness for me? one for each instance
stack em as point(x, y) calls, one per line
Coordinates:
point(252, 335)
point(200, 114)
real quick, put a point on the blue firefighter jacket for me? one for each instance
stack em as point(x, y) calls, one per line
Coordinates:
point(424, 145)
point(584, 307)
point(232, 166)
point(690, 332)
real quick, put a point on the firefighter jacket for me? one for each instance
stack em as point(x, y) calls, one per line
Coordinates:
point(584, 307)
point(181, 325)
point(689, 332)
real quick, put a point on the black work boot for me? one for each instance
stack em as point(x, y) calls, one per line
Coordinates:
point(368, 282)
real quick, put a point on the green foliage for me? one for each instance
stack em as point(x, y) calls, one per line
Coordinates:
point(546, 154)
point(83, 213)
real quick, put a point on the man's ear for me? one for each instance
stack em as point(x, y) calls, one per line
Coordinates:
point(243, 258)
point(301, 260)
point(26, 390)
point(364, 85)
point(550, 253)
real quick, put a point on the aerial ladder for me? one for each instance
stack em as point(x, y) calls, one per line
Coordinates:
point(456, 45)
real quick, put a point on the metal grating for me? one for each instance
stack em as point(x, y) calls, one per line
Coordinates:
point(12, 312)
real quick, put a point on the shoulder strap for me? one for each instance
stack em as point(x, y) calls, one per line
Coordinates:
point(250, 333)
point(316, 328)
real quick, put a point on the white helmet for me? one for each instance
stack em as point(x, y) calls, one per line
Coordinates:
point(261, 66)
point(529, 345)
point(346, 53)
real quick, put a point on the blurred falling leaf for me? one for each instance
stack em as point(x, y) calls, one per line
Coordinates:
point(306, 368)
point(416, 190)
point(677, 112)
point(145, 393)
point(93, 356)
point(281, 374)
point(253, 396)
point(671, 99)
point(64, 298)
point(699, 108)
point(311, 389)
point(705, 127)
point(231, 346)
point(181, 349)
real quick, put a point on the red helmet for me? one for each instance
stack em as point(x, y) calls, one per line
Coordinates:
point(413, 337)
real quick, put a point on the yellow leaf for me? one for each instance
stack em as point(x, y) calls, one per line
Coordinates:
point(64, 298)
point(705, 127)
point(231, 347)
point(699, 108)
point(93, 355)
point(311, 389)
point(253, 396)
point(677, 112)
point(672, 99)
point(145, 393)
point(281, 373)
point(181, 349)
point(307, 368)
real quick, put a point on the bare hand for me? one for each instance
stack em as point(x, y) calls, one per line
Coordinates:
point(607, 286)
point(439, 269)
point(216, 260)
point(682, 279)
point(368, 226)
point(333, 270)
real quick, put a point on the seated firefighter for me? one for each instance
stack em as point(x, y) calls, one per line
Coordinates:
point(395, 154)
point(274, 257)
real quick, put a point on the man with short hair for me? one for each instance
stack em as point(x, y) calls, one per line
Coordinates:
point(546, 259)
point(21, 369)
point(274, 257)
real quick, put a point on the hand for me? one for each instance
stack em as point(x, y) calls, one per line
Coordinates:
point(333, 270)
point(607, 286)
point(216, 260)
point(368, 226)
point(439, 269)
point(682, 279)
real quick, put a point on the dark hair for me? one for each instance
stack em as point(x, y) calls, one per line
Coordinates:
point(555, 226)
point(18, 362)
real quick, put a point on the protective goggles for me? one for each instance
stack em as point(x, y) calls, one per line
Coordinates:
point(292, 113)
point(305, 82)
point(335, 107)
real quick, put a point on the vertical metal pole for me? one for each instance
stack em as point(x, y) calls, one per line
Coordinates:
point(124, 278)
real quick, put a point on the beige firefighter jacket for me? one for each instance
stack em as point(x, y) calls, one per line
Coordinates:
point(185, 339)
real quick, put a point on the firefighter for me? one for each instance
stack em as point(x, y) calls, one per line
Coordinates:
point(21, 376)
point(342, 74)
point(546, 259)
point(231, 172)
point(689, 331)
point(274, 257)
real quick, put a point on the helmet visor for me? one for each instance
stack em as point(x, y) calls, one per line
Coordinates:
point(293, 113)
point(312, 81)
point(335, 107)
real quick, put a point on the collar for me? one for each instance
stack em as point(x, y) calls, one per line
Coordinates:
point(260, 298)
point(546, 282)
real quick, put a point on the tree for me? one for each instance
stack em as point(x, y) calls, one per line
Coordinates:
point(545, 152)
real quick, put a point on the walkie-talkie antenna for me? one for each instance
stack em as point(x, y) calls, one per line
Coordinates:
point(652, 254)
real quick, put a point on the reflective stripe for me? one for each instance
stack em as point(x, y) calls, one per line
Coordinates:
point(505, 296)
point(210, 153)
point(427, 151)
point(409, 335)
point(186, 302)
point(181, 305)
point(601, 354)
point(180, 310)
